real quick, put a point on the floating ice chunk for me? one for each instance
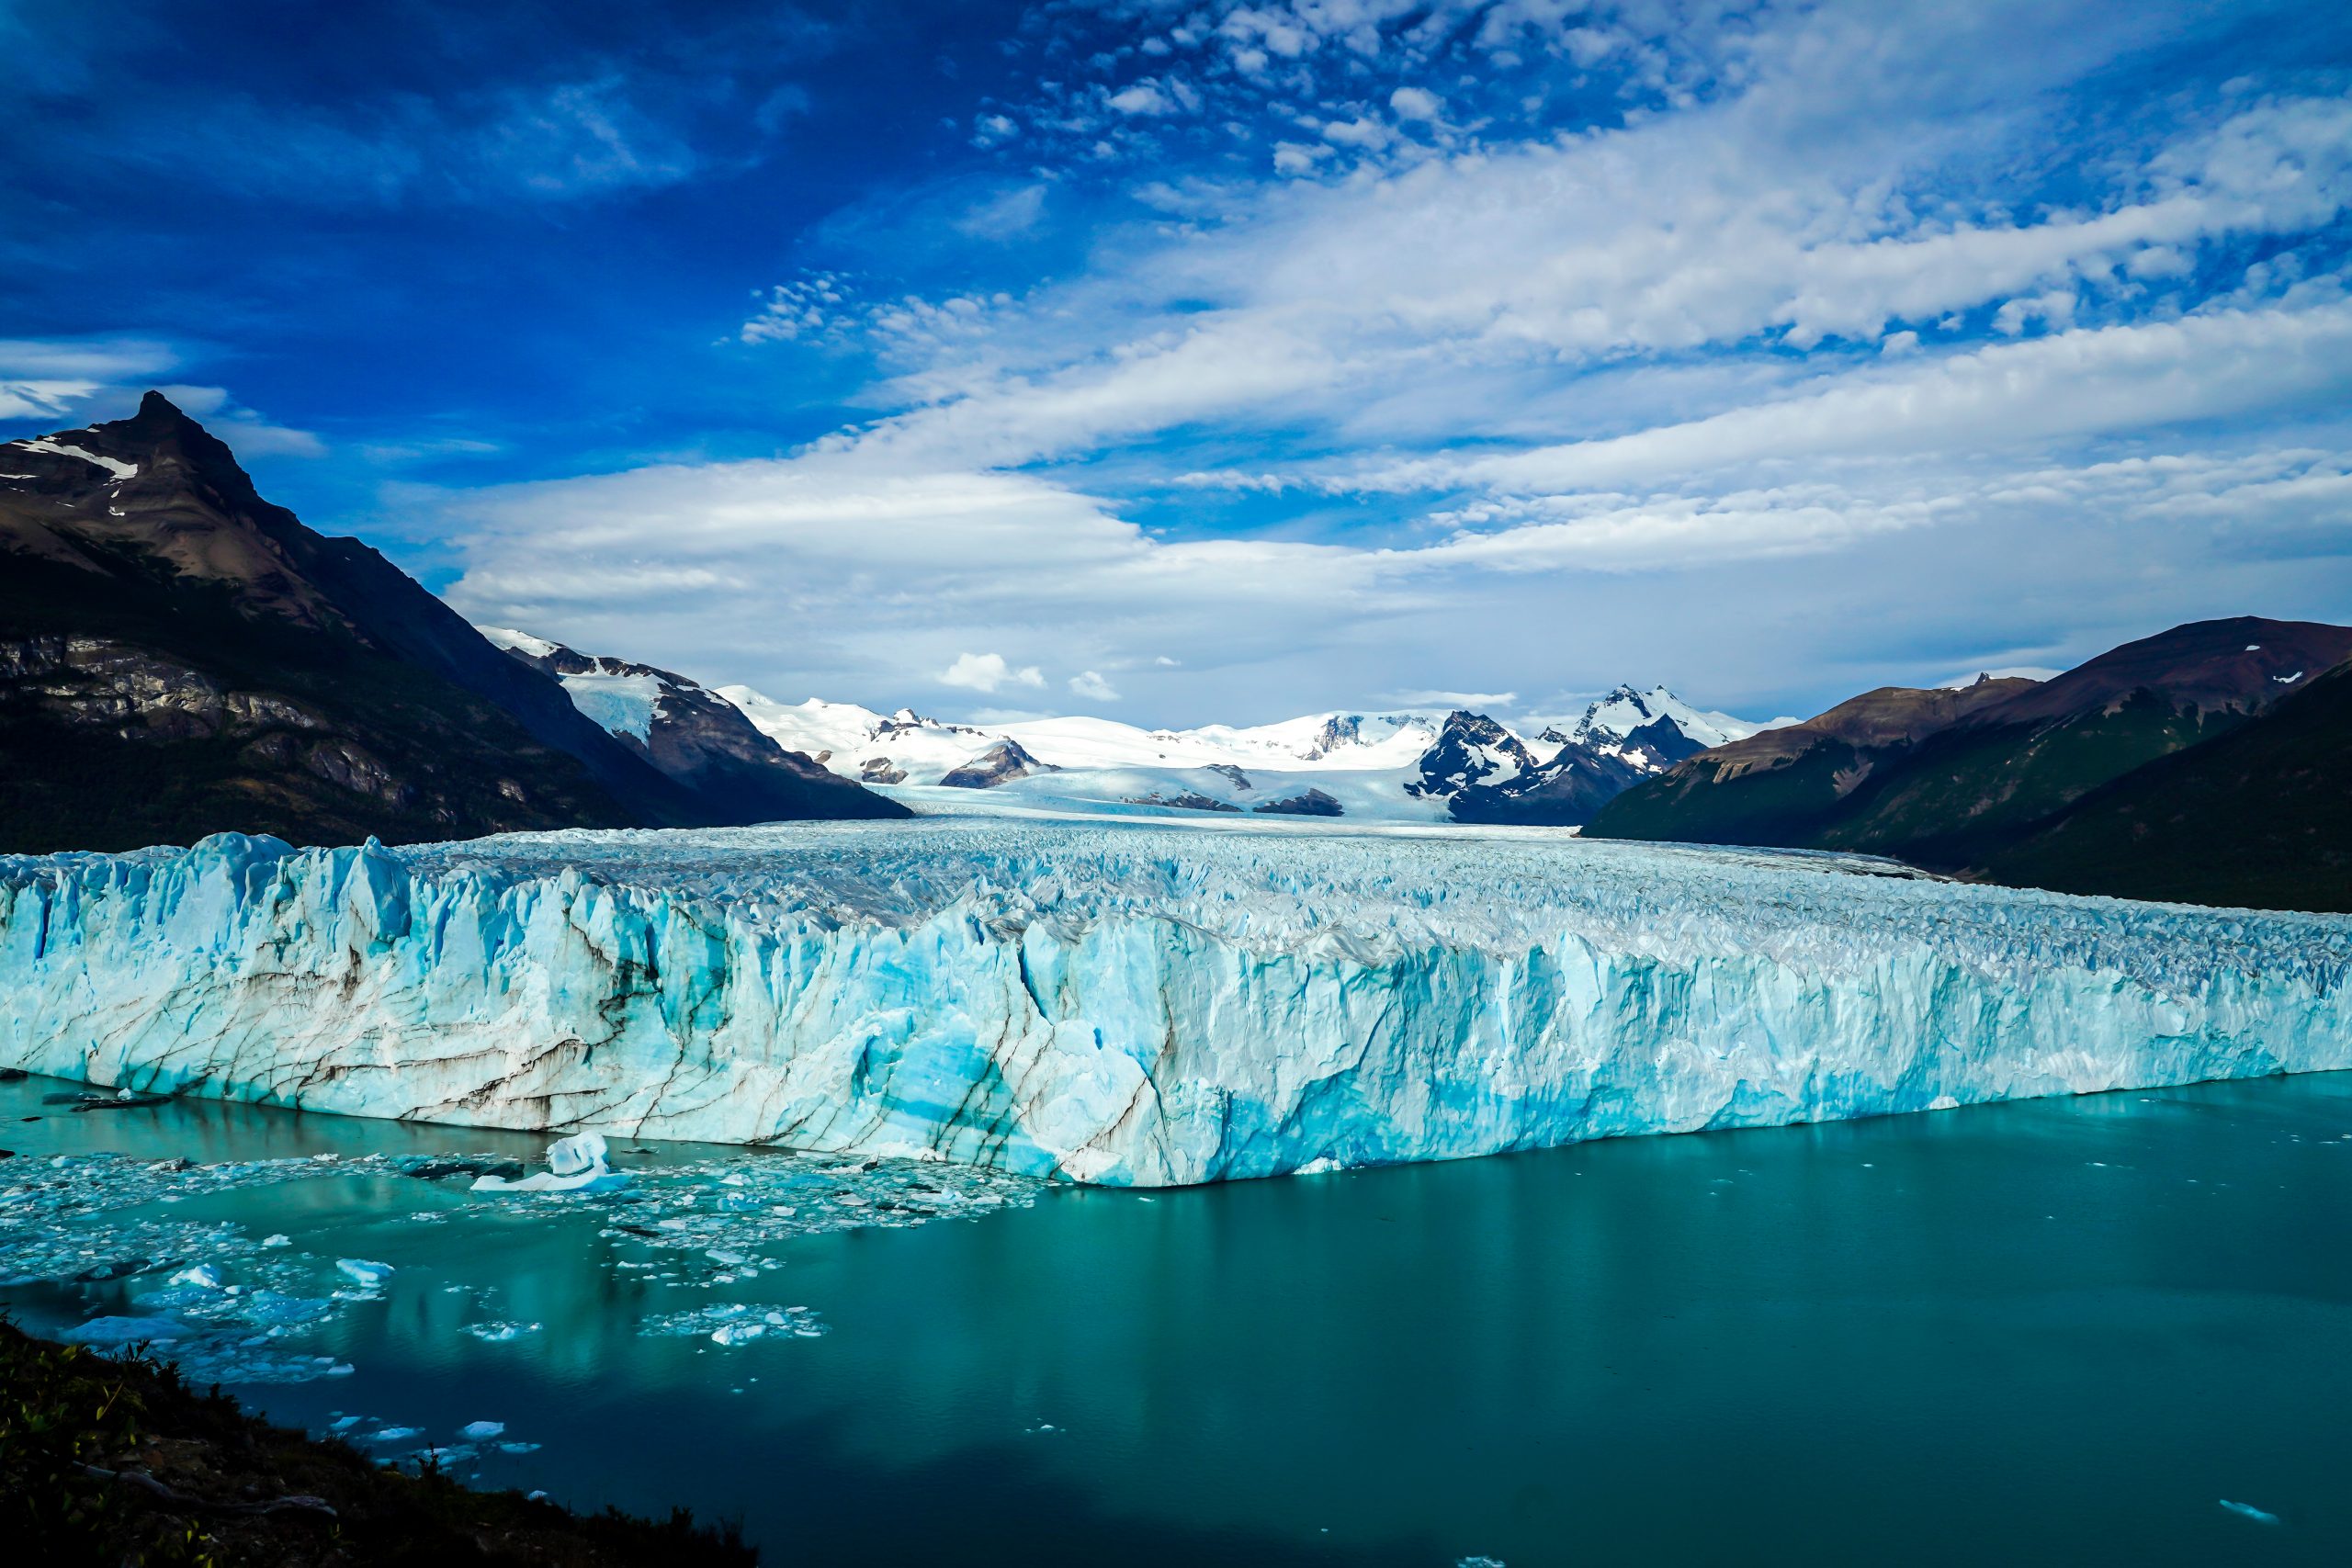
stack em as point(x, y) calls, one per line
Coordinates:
point(735, 1323)
point(277, 1240)
point(2248, 1510)
point(202, 1275)
point(573, 1156)
point(363, 1271)
point(518, 1448)
point(479, 1431)
point(499, 1333)
point(276, 1309)
point(346, 1423)
point(395, 1434)
point(574, 1164)
point(124, 1331)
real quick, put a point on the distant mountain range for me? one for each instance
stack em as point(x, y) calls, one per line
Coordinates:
point(2207, 763)
point(177, 655)
point(1381, 767)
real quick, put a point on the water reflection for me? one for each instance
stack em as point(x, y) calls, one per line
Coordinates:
point(2061, 1330)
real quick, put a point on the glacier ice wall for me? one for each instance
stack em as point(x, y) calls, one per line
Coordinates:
point(1121, 1003)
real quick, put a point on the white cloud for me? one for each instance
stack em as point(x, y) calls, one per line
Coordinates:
point(2055, 308)
point(53, 379)
point(1416, 103)
point(987, 671)
point(1688, 393)
point(1427, 699)
point(1094, 687)
point(1661, 239)
point(1145, 98)
point(1006, 214)
point(79, 380)
point(245, 430)
point(2073, 383)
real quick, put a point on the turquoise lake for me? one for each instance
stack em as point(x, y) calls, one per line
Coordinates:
point(2056, 1331)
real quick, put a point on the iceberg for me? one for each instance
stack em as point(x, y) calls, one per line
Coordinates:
point(1126, 1003)
point(574, 1164)
point(115, 1332)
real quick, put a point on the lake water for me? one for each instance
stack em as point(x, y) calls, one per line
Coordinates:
point(2058, 1331)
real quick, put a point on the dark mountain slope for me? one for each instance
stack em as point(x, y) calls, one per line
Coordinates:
point(1974, 787)
point(178, 657)
point(2260, 817)
point(696, 738)
point(1949, 778)
point(1790, 786)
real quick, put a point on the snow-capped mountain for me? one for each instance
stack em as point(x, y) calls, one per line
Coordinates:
point(692, 736)
point(1654, 722)
point(1567, 772)
point(1404, 767)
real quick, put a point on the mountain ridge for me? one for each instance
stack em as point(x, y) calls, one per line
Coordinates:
point(1462, 766)
point(1982, 782)
point(180, 655)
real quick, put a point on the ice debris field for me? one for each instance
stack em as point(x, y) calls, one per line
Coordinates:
point(231, 1305)
point(1126, 1003)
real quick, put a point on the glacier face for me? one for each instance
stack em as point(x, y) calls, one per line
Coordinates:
point(1127, 1003)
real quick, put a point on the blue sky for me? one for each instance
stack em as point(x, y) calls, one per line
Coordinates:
point(1219, 362)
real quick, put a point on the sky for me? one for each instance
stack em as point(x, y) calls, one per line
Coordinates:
point(1207, 362)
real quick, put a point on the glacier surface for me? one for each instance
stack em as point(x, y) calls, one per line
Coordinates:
point(1127, 1003)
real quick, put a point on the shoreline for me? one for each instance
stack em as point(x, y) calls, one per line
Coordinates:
point(118, 1458)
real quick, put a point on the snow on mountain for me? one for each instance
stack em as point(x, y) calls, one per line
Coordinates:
point(1626, 713)
point(858, 743)
point(691, 735)
point(1383, 767)
point(622, 699)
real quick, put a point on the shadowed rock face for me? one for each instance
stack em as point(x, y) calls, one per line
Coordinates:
point(1183, 799)
point(179, 657)
point(1314, 802)
point(1972, 780)
point(704, 742)
point(2259, 816)
point(1491, 776)
point(1000, 763)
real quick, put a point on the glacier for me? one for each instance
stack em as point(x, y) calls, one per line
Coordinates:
point(1126, 1002)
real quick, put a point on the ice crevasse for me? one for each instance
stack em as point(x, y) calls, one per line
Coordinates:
point(1126, 1003)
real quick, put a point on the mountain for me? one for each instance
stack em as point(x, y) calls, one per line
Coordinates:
point(1789, 785)
point(178, 656)
point(1962, 779)
point(1464, 767)
point(695, 737)
point(1568, 774)
point(2259, 816)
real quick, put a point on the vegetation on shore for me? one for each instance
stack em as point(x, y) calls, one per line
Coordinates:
point(115, 1459)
